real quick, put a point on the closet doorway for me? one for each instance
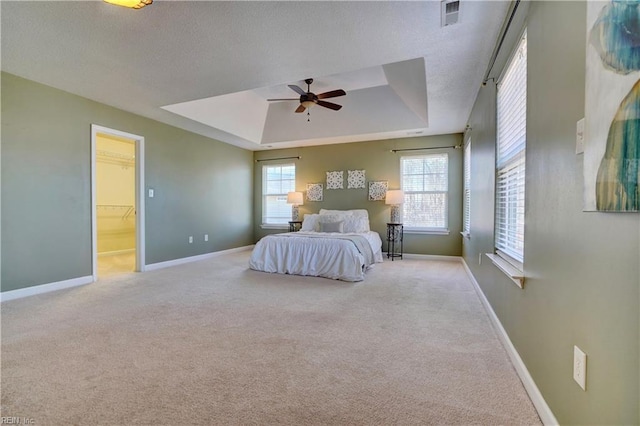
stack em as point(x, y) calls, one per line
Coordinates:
point(117, 202)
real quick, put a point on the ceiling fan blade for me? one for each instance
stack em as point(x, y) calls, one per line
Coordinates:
point(301, 108)
point(288, 99)
point(297, 89)
point(332, 94)
point(329, 105)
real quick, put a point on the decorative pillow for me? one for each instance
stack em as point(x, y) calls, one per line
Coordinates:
point(325, 212)
point(356, 224)
point(332, 226)
point(310, 222)
point(326, 218)
point(360, 213)
point(353, 212)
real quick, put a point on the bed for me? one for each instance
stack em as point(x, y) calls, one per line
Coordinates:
point(336, 244)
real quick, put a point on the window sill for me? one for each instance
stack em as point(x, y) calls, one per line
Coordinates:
point(466, 235)
point(426, 231)
point(274, 226)
point(515, 274)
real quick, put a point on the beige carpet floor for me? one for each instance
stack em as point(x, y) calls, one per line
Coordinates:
point(114, 264)
point(213, 342)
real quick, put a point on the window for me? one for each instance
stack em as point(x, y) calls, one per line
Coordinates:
point(466, 201)
point(425, 182)
point(277, 181)
point(510, 158)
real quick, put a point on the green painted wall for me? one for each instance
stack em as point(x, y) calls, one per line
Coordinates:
point(46, 186)
point(582, 274)
point(379, 164)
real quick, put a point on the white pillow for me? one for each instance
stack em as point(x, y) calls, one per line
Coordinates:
point(356, 224)
point(325, 212)
point(310, 222)
point(353, 212)
point(360, 213)
point(332, 226)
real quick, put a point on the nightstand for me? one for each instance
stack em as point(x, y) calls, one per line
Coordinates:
point(395, 235)
point(295, 225)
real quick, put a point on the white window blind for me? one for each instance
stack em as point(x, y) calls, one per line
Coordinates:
point(425, 182)
point(466, 209)
point(510, 156)
point(277, 181)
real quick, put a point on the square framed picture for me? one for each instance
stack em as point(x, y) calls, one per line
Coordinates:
point(314, 191)
point(335, 180)
point(355, 179)
point(378, 190)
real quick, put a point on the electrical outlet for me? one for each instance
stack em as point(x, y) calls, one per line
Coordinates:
point(190, 239)
point(206, 237)
point(580, 367)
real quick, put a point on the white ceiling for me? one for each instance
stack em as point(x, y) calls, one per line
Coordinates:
point(209, 67)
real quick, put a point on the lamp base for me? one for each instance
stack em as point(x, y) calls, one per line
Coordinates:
point(395, 213)
point(295, 213)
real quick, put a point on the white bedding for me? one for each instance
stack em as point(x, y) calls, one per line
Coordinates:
point(317, 254)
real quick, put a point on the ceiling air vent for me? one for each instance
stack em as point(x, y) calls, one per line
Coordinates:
point(450, 11)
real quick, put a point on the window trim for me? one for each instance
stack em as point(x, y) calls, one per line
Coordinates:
point(511, 266)
point(466, 190)
point(423, 229)
point(271, 225)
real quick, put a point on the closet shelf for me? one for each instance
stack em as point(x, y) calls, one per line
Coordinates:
point(126, 209)
point(115, 158)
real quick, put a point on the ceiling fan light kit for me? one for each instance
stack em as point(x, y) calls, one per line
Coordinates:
point(308, 99)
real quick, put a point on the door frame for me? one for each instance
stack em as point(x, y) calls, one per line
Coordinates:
point(139, 188)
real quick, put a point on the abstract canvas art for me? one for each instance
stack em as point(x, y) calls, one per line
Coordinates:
point(612, 107)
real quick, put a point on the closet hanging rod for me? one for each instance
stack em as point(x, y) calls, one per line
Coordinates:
point(422, 149)
point(115, 155)
point(281, 158)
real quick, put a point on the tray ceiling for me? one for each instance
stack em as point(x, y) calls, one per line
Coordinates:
point(208, 67)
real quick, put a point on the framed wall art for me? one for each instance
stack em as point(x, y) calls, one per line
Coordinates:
point(612, 108)
point(335, 180)
point(355, 179)
point(378, 190)
point(314, 192)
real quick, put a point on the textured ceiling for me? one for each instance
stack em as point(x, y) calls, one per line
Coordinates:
point(234, 55)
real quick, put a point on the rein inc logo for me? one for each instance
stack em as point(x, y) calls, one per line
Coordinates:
point(17, 421)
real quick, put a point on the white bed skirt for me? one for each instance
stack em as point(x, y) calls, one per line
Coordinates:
point(305, 254)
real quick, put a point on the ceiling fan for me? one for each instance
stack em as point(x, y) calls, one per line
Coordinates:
point(308, 98)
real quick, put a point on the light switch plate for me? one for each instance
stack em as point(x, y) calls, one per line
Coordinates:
point(580, 136)
point(580, 367)
point(151, 193)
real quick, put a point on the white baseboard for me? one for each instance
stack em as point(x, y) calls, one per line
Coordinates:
point(432, 257)
point(175, 262)
point(545, 413)
point(44, 288)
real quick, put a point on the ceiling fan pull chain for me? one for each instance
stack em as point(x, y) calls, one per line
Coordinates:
point(308, 115)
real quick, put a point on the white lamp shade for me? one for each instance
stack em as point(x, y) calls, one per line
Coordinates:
point(295, 198)
point(394, 197)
